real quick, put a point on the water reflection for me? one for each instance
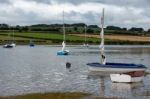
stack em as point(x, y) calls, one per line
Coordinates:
point(123, 89)
point(119, 90)
point(101, 76)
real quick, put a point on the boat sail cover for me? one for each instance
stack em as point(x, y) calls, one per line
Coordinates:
point(63, 45)
point(103, 58)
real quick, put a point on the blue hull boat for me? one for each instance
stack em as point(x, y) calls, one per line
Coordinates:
point(116, 67)
point(63, 53)
point(31, 45)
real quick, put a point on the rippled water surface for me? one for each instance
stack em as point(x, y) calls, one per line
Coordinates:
point(38, 69)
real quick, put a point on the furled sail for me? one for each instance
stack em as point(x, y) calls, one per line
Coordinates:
point(63, 45)
point(103, 58)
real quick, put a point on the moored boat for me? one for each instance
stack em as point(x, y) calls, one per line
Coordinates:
point(7, 46)
point(31, 44)
point(120, 72)
point(63, 51)
point(116, 67)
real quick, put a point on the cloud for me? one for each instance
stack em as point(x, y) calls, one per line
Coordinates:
point(124, 13)
point(4, 2)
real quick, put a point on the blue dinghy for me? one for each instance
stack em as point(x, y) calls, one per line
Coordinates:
point(63, 51)
point(66, 52)
point(116, 67)
point(31, 44)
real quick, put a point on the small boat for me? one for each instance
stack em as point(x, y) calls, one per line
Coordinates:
point(31, 44)
point(85, 40)
point(11, 45)
point(120, 72)
point(7, 46)
point(116, 67)
point(63, 51)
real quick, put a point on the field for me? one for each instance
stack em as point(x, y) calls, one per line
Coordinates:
point(56, 38)
point(51, 38)
point(121, 37)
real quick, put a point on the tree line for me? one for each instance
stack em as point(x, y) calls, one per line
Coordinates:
point(73, 28)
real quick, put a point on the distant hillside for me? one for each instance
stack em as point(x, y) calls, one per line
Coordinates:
point(77, 28)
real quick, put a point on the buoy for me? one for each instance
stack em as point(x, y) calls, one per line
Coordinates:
point(68, 65)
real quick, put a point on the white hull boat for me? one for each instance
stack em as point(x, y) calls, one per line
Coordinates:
point(120, 72)
point(9, 45)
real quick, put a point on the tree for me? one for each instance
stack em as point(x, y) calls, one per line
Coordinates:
point(4, 26)
point(75, 29)
point(113, 28)
point(138, 30)
point(90, 31)
point(148, 30)
point(92, 26)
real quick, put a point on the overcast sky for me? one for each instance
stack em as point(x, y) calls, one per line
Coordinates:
point(123, 13)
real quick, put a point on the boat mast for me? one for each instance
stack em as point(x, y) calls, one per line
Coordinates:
point(103, 59)
point(13, 35)
point(64, 39)
point(85, 34)
point(64, 28)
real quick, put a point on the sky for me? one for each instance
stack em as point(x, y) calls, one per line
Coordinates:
point(122, 13)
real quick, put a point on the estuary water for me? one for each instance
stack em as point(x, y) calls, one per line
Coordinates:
point(26, 70)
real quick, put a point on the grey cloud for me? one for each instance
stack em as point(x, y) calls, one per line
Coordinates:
point(4, 2)
point(42, 1)
point(125, 3)
point(126, 18)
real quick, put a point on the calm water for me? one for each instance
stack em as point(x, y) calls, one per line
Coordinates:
point(31, 70)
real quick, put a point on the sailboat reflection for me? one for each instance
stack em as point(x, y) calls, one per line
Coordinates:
point(126, 86)
point(102, 76)
point(109, 89)
point(126, 89)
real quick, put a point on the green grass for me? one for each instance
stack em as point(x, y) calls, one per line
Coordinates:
point(57, 95)
point(56, 38)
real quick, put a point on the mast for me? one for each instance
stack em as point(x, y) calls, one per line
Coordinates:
point(64, 28)
point(13, 35)
point(103, 59)
point(85, 34)
point(64, 38)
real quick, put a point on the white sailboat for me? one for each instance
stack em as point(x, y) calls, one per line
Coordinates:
point(121, 72)
point(13, 42)
point(85, 40)
point(63, 51)
point(10, 45)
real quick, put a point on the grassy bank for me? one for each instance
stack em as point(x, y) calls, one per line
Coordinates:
point(57, 95)
point(75, 95)
point(55, 38)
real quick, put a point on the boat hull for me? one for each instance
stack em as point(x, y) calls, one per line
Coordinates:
point(66, 52)
point(8, 46)
point(116, 67)
point(31, 45)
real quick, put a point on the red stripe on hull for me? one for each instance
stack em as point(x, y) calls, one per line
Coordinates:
point(136, 73)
